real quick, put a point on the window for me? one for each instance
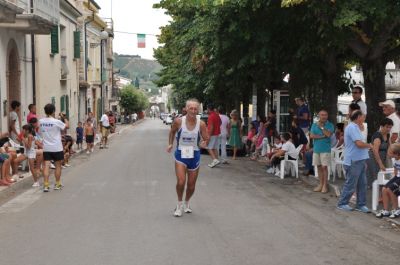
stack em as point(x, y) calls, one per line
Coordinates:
point(77, 44)
point(54, 40)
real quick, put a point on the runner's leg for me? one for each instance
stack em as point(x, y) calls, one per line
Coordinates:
point(191, 184)
point(180, 171)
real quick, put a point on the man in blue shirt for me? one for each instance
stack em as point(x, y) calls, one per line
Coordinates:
point(321, 132)
point(355, 157)
point(302, 115)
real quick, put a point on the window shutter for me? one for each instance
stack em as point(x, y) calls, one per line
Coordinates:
point(77, 44)
point(62, 103)
point(54, 40)
point(67, 106)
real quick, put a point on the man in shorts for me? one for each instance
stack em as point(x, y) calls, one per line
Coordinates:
point(321, 132)
point(214, 130)
point(191, 135)
point(105, 129)
point(50, 131)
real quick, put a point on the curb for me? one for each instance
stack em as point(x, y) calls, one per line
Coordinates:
point(26, 182)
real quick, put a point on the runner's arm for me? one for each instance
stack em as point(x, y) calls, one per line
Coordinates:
point(176, 124)
point(204, 133)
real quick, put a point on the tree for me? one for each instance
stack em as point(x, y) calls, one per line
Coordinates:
point(133, 100)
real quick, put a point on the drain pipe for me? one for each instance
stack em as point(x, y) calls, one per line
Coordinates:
point(33, 55)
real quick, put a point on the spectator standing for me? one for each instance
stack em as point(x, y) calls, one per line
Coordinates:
point(356, 92)
point(15, 127)
point(271, 126)
point(214, 130)
point(235, 132)
point(111, 118)
point(30, 152)
point(321, 133)
point(79, 135)
point(224, 134)
point(32, 113)
point(356, 154)
point(93, 120)
point(389, 110)
point(303, 115)
point(105, 130)
point(50, 130)
point(380, 141)
point(89, 134)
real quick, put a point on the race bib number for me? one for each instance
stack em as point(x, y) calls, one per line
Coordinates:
point(187, 152)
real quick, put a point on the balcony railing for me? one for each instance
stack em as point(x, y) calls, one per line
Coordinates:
point(47, 9)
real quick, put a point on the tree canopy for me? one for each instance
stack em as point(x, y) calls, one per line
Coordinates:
point(133, 100)
point(223, 50)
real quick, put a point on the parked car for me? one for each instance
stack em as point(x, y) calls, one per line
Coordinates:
point(168, 120)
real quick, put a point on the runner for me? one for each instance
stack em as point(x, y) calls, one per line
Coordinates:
point(50, 130)
point(105, 130)
point(188, 129)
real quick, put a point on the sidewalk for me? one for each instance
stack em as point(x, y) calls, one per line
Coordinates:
point(26, 182)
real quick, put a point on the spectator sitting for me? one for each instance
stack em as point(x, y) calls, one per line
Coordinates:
point(5, 162)
point(308, 156)
point(339, 134)
point(260, 138)
point(298, 136)
point(250, 139)
point(287, 148)
point(391, 191)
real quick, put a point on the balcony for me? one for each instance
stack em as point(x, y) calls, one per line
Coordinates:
point(37, 18)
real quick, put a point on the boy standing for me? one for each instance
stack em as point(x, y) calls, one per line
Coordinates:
point(89, 136)
point(50, 130)
point(79, 135)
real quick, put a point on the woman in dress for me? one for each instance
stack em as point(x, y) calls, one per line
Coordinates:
point(235, 132)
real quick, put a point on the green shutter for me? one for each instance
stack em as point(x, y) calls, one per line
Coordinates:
point(54, 40)
point(67, 106)
point(62, 103)
point(77, 44)
point(53, 101)
point(99, 114)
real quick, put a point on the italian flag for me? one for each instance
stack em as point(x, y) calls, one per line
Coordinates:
point(141, 38)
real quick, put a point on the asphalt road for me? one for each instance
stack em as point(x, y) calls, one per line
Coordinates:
point(117, 206)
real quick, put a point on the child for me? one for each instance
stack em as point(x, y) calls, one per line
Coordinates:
point(89, 135)
point(249, 141)
point(79, 135)
point(30, 152)
point(392, 189)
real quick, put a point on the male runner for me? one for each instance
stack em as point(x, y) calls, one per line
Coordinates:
point(189, 131)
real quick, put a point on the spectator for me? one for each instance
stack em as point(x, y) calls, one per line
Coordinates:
point(356, 154)
point(224, 134)
point(15, 127)
point(32, 112)
point(5, 179)
point(303, 115)
point(287, 148)
point(356, 92)
point(30, 152)
point(391, 191)
point(321, 133)
point(380, 141)
point(308, 155)
point(111, 119)
point(50, 130)
point(93, 120)
point(339, 134)
point(389, 110)
point(259, 138)
point(364, 126)
point(105, 130)
point(271, 126)
point(214, 130)
point(235, 132)
point(89, 135)
point(298, 136)
point(79, 135)
point(250, 139)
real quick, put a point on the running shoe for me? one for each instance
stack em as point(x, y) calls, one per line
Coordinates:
point(270, 170)
point(214, 163)
point(67, 165)
point(394, 213)
point(383, 213)
point(278, 173)
point(52, 166)
point(63, 167)
point(36, 184)
point(186, 208)
point(58, 187)
point(46, 189)
point(87, 152)
point(178, 210)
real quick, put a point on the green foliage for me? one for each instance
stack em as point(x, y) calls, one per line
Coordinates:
point(133, 100)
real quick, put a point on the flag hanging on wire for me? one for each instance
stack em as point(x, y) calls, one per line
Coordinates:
point(141, 40)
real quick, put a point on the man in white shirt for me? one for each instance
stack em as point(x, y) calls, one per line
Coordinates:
point(356, 92)
point(15, 127)
point(389, 109)
point(224, 134)
point(287, 148)
point(105, 130)
point(50, 131)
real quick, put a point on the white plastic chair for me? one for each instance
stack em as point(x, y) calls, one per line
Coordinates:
point(294, 163)
point(337, 157)
point(381, 180)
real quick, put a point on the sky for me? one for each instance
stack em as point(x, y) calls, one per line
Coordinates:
point(135, 16)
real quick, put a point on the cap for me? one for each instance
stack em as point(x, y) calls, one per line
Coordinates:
point(388, 103)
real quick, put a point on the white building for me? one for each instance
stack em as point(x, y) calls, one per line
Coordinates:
point(19, 20)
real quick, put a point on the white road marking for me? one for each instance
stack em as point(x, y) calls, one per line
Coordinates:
point(22, 201)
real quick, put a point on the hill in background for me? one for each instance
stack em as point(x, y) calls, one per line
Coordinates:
point(132, 66)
